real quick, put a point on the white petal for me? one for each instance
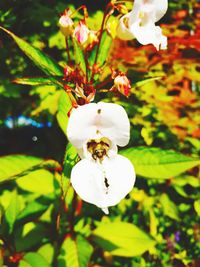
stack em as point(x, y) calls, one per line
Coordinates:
point(141, 23)
point(107, 119)
point(120, 174)
point(150, 34)
point(160, 8)
point(88, 180)
point(105, 210)
point(114, 123)
point(157, 8)
point(123, 32)
point(81, 125)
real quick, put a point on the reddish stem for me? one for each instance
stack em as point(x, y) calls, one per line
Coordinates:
point(81, 7)
point(87, 67)
point(67, 49)
point(103, 83)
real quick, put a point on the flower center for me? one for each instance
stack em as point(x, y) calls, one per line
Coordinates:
point(98, 148)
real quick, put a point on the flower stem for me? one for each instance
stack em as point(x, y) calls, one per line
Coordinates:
point(67, 49)
point(103, 83)
point(84, 10)
point(68, 90)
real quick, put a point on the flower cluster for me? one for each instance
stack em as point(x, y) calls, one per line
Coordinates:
point(101, 177)
point(85, 37)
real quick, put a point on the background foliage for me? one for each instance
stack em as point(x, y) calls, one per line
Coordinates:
point(43, 222)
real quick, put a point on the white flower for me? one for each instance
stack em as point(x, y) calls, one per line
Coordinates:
point(102, 177)
point(140, 23)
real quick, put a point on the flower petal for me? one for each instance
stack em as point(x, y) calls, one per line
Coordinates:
point(155, 8)
point(120, 176)
point(113, 123)
point(87, 180)
point(160, 8)
point(150, 34)
point(81, 125)
point(107, 119)
point(123, 31)
point(141, 23)
point(104, 184)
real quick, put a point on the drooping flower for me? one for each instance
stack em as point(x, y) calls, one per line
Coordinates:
point(66, 23)
point(140, 23)
point(101, 177)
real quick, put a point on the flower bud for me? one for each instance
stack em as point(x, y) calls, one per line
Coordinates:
point(66, 24)
point(81, 33)
point(85, 37)
point(122, 85)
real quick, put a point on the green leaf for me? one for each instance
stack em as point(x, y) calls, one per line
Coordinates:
point(169, 208)
point(143, 82)
point(29, 235)
point(32, 209)
point(79, 56)
point(49, 96)
point(70, 159)
point(104, 48)
point(158, 163)
point(122, 239)
point(40, 59)
point(14, 166)
point(64, 106)
point(12, 211)
point(92, 56)
point(39, 81)
point(75, 253)
point(47, 251)
point(23, 263)
point(197, 206)
point(39, 181)
point(33, 259)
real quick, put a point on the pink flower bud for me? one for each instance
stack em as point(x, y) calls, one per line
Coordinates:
point(81, 33)
point(85, 37)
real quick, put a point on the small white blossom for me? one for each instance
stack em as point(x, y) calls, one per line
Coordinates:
point(102, 177)
point(140, 23)
point(66, 23)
